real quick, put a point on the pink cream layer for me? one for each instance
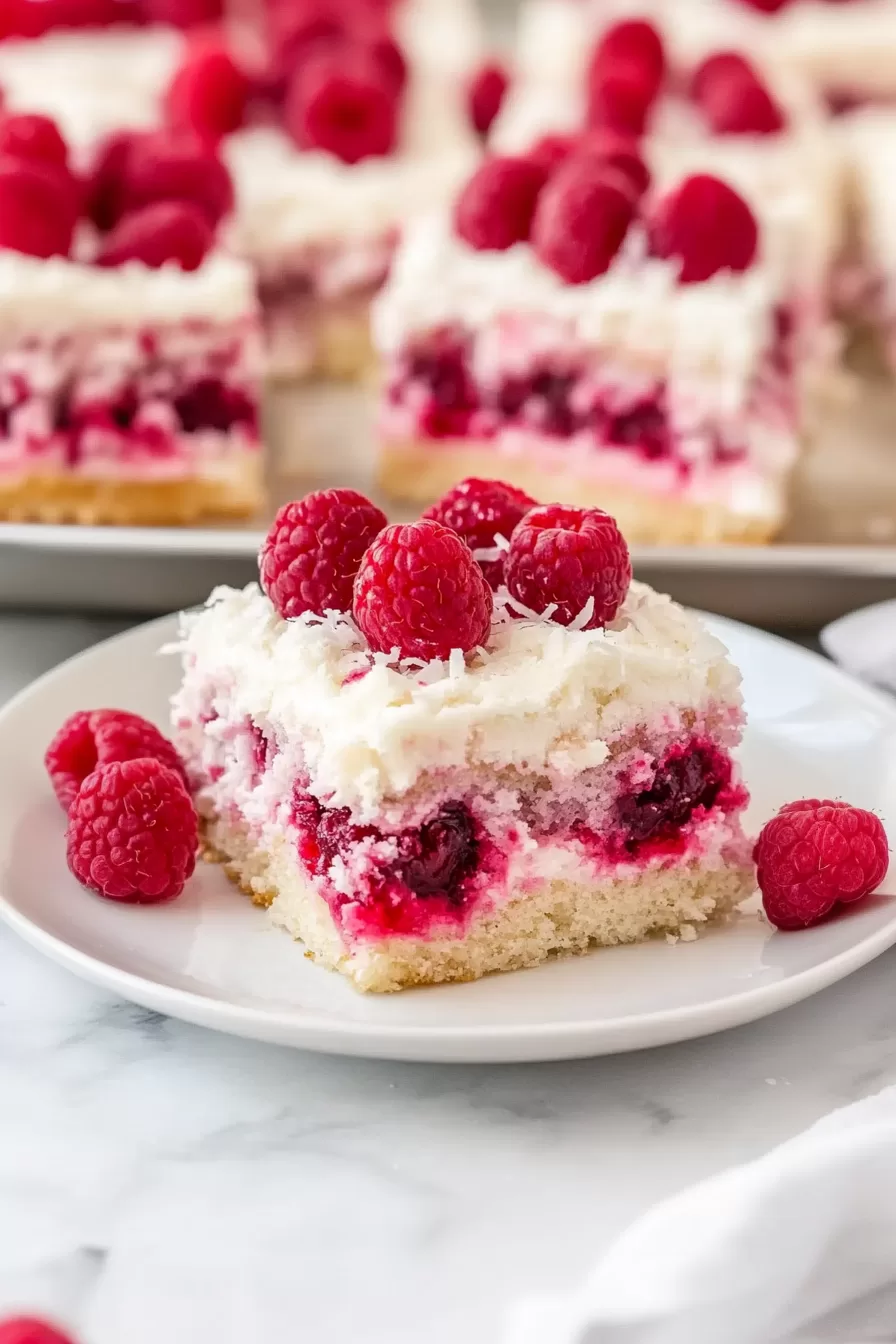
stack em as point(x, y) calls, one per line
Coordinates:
point(154, 402)
point(462, 843)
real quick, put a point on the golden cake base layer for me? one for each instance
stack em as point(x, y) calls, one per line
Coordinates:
point(62, 498)
point(558, 918)
point(420, 473)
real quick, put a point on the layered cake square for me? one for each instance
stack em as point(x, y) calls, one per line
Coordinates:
point(868, 277)
point(130, 346)
point(595, 342)
point(359, 123)
point(431, 767)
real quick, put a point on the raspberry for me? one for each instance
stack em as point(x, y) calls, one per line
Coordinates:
point(485, 94)
point(33, 138)
point(565, 556)
point(552, 150)
point(105, 185)
point(38, 208)
point(733, 98)
point(707, 226)
point(634, 46)
point(815, 855)
point(30, 1330)
point(341, 103)
point(477, 511)
point(496, 207)
point(312, 553)
point(208, 94)
point(184, 13)
point(581, 221)
point(615, 152)
point(388, 57)
point(169, 231)
point(766, 6)
point(420, 590)
point(95, 737)
point(169, 167)
point(621, 99)
point(132, 832)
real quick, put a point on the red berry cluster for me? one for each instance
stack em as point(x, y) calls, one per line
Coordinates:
point(34, 18)
point(153, 197)
point(576, 196)
point(425, 588)
point(132, 828)
point(336, 75)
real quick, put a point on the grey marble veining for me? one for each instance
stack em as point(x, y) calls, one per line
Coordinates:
point(159, 1182)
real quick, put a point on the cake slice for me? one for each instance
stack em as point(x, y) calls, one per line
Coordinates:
point(868, 281)
point(427, 780)
point(130, 358)
point(594, 343)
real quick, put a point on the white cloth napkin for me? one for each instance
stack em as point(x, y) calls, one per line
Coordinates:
point(799, 1246)
point(865, 643)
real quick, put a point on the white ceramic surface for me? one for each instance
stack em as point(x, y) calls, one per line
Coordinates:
point(214, 960)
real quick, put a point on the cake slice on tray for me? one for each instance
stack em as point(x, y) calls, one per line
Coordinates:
point(594, 342)
point(432, 768)
point(130, 356)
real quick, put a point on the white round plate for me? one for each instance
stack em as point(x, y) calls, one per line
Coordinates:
point(213, 959)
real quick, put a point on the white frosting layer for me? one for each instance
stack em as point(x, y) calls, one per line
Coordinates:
point(91, 82)
point(542, 698)
point(288, 199)
point(636, 311)
point(57, 295)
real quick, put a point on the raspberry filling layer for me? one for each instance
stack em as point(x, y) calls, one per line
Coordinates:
point(138, 401)
point(436, 392)
point(422, 879)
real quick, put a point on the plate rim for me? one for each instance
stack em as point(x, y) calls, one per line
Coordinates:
point(309, 1029)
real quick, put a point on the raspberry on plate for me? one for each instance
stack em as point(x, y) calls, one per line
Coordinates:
point(420, 590)
point(479, 511)
point(133, 833)
point(569, 558)
point(485, 94)
point(313, 551)
point(95, 737)
point(707, 227)
point(31, 1330)
point(582, 219)
point(815, 855)
point(496, 207)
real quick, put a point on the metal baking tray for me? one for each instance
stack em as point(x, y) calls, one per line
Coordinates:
point(837, 553)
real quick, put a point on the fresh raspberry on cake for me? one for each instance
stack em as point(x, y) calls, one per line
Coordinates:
point(185, 13)
point(344, 105)
point(33, 138)
point(574, 560)
point(389, 59)
point(634, 46)
point(734, 99)
point(169, 166)
point(707, 227)
point(31, 1330)
point(38, 208)
point(611, 151)
point(420, 590)
point(620, 99)
point(485, 94)
point(479, 511)
point(168, 231)
point(313, 551)
point(553, 149)
point(496, 207)
point(208, 94)
point(815, 855)
point(106, 178)
point(581, 221)
point(95, 737)
point(133, 833)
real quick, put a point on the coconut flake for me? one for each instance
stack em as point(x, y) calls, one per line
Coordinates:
point(581, 621)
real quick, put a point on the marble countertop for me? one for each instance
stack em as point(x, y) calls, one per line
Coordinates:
point(162, 1183)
